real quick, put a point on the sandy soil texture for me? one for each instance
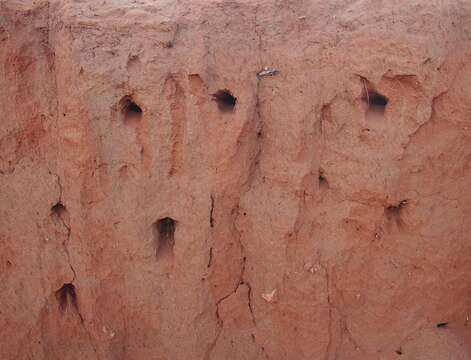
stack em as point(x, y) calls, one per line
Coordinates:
point(235, 179)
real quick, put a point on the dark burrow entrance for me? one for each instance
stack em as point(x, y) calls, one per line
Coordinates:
point(58, 210)
point(394, 212)
point(164, 236)
point(130, 111)
point(375, 101)
point(323, 183)
point(225, 100)
point(66, 296)
point(59, 213)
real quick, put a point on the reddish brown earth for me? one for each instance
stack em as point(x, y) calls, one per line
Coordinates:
point(324, 216)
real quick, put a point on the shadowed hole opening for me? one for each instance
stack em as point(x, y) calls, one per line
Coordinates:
point(323, 183)
point(58, 209)
point(66, 296)
point(396, 209)
point(225, 100)
point(393, 212)
point(130, 111)
point(164, 236)
point(59, 212)
point(375, 101)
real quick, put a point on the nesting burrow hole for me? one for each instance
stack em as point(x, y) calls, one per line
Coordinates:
point(164, 236)
point(59, 213)
point(323, 184)
point(130, 111)
point(376, 103)
point(225, 100)
point(394, 212)
point(66, 296)
point(58, 209)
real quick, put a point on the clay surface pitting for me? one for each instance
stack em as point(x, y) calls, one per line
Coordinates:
point(219, 179)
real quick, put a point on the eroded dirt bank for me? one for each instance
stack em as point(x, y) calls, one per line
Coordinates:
point(159, 200)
